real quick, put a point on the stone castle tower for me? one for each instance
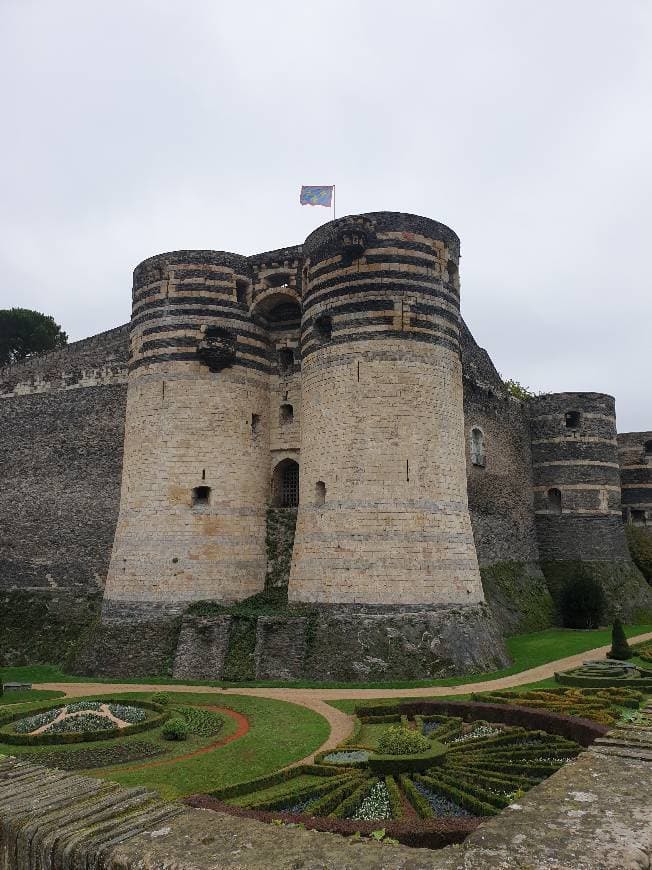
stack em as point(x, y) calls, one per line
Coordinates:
point(218, 373)
point(383, 513)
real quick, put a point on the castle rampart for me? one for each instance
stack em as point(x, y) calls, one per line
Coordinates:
point(635, 457)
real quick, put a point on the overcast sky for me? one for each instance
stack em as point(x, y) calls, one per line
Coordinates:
point(132, 127)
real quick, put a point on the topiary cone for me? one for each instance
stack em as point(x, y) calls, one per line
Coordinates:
point(620, 649)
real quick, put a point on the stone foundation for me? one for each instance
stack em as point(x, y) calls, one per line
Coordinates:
point(202, 647)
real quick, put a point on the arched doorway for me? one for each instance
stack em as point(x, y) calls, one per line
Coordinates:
point(285, 484)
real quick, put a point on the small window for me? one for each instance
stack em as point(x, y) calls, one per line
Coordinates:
point(554, 501)
point(647, 448)
point(323, 328)
point(285, 361)
point(278, 279)
point(478, 450)
point(573, 419)
point(638, 517)
point(286, 414)
point(241, 288)
point(201, 495)
point(320, 492)
point(255, 424)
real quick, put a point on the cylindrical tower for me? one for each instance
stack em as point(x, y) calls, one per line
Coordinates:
point(577, 499)
point(576, 477)
point(635, 456)
point(383, 515)
point(196, 461)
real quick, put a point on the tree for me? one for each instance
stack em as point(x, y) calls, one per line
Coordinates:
point(24, 333)
point(619, 647)
point(516, 389)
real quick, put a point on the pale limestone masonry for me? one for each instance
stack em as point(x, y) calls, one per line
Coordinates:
point(382, 429)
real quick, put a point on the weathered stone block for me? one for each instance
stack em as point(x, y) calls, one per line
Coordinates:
point(202, 647)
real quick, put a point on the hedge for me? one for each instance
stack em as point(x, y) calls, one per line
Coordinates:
point(582, 731)
point(386, 764)
point(291, 792)
point(251, 785)
point(570, 679)
point(427, 834)
point(325, 805)
point(351, 803)
point(418, 801)
point(46, 739)
point(395, 799)
point(463, 799)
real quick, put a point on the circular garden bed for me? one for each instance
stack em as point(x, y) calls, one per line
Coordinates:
point(466, 761)
point(81, 721)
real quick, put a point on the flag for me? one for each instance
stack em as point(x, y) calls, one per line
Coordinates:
point(320, 195)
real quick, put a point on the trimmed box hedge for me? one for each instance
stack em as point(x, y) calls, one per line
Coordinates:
point(582, 731)
point(427, 833)
point(46, 739)
point(387, 764)
point(570, 679)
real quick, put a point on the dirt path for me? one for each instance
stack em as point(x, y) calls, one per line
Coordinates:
point(242, 726)
point(316, 699)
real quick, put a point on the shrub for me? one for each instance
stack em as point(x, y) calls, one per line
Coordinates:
point(582, 603)
point(398, 740)
point(619, 646)
point(175, 729)
point(161, 698)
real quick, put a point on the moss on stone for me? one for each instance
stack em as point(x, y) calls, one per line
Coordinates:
point(628, 595)
point(45, 626)
point(279, 542)
point(518, 597)
point(639, 541)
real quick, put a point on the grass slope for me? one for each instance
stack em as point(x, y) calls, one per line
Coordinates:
point(279, 734)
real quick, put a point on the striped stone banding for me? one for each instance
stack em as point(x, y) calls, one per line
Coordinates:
point(399, 282)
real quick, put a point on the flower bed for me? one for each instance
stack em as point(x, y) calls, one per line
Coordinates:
point(602, 705)
point(478, 771)
point(80, 722)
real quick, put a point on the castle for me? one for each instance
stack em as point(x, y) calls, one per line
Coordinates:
point(334, 381)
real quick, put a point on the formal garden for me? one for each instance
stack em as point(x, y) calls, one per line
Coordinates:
point(419, 771)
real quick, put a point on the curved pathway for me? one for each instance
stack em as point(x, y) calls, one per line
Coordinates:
point(316, 699)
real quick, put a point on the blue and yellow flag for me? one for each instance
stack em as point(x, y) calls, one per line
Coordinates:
point(317, 195)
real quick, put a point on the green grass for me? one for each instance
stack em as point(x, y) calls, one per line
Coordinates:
point(279, 734)
point(527, 650)
point(30, 695)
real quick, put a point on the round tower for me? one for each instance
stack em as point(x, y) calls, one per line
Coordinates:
point(576, 477)
point(383, 516)
point(577, 499)
point(196, 461)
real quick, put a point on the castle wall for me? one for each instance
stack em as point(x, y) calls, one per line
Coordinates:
point(62, 423)
point(196, 468)
point(577, 497)
point(383, 515)
point(501, 506)
point(635, 459)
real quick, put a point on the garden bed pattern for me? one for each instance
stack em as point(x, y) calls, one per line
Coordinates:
point(487, 766)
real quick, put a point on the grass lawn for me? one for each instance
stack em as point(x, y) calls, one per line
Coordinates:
point(26, 697)
point(279, 733)
point(527, 651)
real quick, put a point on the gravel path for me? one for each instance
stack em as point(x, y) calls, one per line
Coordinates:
point(316, 699)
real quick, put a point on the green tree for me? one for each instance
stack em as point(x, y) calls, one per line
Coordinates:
point(24, 332)
point(516, 389)
point(619, 646)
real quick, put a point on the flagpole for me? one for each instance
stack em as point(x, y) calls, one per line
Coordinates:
point(333, 202)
